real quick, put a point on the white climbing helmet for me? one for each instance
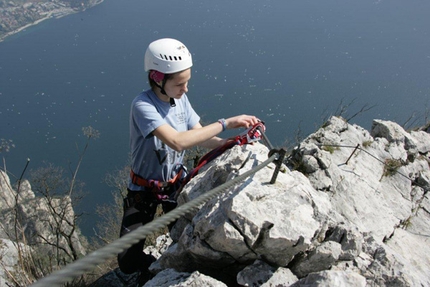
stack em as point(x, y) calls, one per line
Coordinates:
point(167, 56)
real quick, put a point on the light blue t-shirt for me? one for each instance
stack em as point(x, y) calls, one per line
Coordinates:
point(151, 158)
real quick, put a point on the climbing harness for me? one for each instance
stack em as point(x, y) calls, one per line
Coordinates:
point(249, 136)
point(160, 189)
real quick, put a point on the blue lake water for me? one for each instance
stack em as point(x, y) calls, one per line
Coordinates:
point(291, 63)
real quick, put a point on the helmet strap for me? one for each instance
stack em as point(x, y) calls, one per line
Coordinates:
point(163, 83)
point(172, 102)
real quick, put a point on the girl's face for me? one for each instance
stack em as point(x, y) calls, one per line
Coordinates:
point(176, 86)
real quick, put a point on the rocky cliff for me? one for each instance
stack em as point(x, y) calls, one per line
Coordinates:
point(350, 208)
point(356, 215)
point(37, 234)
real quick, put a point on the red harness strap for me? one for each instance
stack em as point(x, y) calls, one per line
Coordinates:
point(140, 181)
point(157, 187)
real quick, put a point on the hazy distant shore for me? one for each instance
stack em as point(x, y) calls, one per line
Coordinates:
point(2, 37)
point(53, 14)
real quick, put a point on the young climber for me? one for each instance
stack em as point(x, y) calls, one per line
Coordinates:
point(163, 125)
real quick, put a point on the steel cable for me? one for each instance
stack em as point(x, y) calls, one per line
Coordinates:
point(368, 153)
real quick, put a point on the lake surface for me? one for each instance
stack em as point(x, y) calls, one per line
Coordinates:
point(291, 63)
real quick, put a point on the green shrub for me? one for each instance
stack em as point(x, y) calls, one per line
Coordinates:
point(391, 166)
point(329, 148)
point(367, 143)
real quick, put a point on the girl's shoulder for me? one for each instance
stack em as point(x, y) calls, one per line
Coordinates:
point(145, 98)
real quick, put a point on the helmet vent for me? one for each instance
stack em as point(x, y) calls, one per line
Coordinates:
point(171, 58)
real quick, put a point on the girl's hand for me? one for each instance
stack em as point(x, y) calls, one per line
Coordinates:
point(245, 121)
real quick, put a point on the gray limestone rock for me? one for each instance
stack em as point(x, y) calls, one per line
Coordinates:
point(352, 209)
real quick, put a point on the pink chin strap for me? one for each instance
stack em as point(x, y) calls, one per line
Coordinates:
point(156, 76)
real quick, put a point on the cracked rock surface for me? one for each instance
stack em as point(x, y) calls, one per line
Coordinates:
point(353, 211)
